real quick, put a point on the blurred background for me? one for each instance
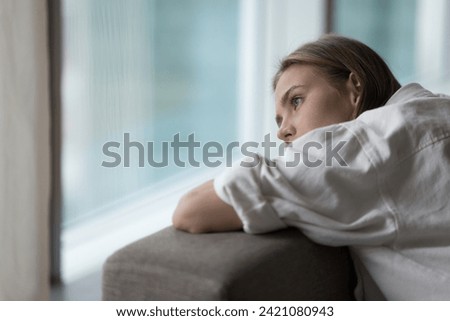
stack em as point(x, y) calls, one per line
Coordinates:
point(157, 68)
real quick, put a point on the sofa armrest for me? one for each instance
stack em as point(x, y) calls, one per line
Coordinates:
point(174, 265)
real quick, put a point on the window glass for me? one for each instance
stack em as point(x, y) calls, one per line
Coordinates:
point(136, 72)
point(411, 35)
point(389, 27)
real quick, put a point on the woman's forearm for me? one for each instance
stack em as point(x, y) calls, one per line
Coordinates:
point(202, 211)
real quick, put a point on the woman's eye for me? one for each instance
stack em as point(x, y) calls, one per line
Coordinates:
point(296, 101)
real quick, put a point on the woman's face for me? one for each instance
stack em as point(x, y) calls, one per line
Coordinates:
point(305, 100)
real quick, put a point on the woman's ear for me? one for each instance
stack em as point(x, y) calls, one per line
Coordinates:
point(355, 90)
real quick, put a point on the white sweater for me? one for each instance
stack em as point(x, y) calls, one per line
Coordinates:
point(388, 197)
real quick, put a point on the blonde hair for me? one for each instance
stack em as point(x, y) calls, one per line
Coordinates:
point(336, 57)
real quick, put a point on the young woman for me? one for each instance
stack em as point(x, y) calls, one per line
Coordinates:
point(389, 197)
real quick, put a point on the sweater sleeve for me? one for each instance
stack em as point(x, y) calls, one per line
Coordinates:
point(325, 185)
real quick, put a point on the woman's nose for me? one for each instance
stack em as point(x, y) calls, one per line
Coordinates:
point(287, 132)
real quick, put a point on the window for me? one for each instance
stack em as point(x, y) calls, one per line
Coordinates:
point(141, 71)
point(138, 72)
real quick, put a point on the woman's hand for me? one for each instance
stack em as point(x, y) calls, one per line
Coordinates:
point(202, 211)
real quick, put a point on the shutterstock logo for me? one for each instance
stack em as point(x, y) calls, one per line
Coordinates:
point(183, 153)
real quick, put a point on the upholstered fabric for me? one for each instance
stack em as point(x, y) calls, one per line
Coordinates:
point(174, 265)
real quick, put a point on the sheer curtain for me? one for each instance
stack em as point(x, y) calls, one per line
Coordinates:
point(24, 142)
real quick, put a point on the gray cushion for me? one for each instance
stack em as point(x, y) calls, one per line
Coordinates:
point(174, 265)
